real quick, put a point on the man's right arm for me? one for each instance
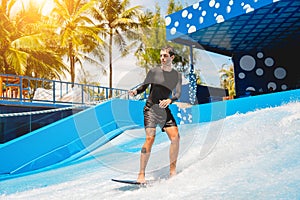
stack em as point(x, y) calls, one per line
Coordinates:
point(139, 90)
point(144, 86)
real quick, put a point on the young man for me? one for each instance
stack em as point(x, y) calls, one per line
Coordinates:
point(165, 88)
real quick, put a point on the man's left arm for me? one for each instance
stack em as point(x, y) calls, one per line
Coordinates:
point(176, 95)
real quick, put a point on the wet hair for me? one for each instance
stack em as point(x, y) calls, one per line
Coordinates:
point(169, 49)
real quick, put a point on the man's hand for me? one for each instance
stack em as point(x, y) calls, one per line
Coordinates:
point(132, 92)
point(164, 103)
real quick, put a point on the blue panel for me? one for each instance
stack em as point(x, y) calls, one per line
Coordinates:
point(258, 71)
point(17, 125)
point(219, 110)
point(207, 13)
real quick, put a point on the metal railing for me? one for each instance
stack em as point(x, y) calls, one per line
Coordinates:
point(30, 89)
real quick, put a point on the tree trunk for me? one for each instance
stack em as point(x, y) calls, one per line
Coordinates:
point(72, 64)
point(110, 63)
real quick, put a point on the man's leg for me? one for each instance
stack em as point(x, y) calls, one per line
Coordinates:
point(145, 153)
point(174, 147)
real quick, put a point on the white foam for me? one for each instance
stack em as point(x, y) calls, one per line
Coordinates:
point(251, 156)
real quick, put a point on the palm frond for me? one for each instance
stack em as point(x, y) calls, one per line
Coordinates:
point(17, 59)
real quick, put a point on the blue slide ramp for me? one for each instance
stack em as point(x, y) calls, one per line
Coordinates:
point(69, 138)
point(75, 136)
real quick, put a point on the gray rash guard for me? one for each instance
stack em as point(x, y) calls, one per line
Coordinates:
point(162, 85)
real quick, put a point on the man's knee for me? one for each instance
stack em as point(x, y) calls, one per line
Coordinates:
point(175, 138)
point(150, 140)
point(145, 150)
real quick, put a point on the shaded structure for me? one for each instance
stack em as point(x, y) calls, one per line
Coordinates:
point(261, 36)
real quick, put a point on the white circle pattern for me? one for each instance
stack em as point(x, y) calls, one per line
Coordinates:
point(247, 63)
point(269, 62)
point(280, 73)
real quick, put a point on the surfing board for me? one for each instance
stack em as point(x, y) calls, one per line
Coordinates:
point(132, 182)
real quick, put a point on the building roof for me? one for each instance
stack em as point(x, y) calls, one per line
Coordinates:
point(234, 26)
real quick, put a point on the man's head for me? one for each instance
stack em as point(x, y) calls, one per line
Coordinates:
point(167, 55)
point(169, 49)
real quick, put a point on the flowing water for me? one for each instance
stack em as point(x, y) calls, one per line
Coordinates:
point(245, 156)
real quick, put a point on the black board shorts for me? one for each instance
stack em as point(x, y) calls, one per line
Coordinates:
point(155, 115)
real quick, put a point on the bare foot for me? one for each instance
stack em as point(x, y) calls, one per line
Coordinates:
point(141, 178)
point(173, 173)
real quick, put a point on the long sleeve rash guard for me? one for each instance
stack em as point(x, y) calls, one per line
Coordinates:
point(164, 85)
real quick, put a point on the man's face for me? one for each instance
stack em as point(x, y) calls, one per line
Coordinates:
point(165, 58)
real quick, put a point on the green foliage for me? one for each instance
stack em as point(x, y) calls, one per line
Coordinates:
point(22, 44)
point(120, 24)
point(227, 80)
point(31, 42)
point(153, 38)
point(77, 34)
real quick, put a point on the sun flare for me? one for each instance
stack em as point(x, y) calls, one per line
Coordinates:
point(45, 5)
point(39, 2)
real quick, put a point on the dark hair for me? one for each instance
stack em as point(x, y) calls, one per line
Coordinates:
point(169, 49)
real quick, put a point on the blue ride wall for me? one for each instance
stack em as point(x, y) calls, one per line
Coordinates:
point(65, 138)
point(70, 138)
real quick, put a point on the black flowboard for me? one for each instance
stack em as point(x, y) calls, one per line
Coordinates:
point(132, 182)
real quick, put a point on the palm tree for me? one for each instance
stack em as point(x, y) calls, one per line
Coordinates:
point(45, 62)
point(13, 59)
point(227, 80)
point(22, 48)
point(154, 37)
point(173, 7)
point(120, 23)
point(78, 35)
